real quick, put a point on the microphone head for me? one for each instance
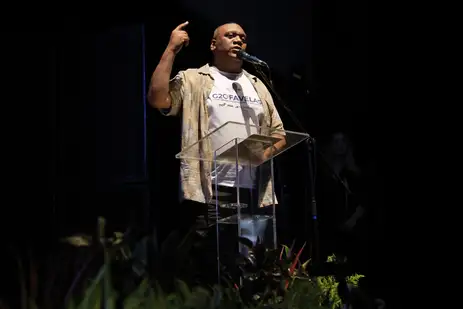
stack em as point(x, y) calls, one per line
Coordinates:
point(237, 87)
point(241, 54)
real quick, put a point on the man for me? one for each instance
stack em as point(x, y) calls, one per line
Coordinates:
point(207, 98)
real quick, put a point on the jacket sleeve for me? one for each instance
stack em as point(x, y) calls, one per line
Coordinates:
point(176, 92)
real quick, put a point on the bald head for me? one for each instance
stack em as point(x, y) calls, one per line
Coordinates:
point(220, 29)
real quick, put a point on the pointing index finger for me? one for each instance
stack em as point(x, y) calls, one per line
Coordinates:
point(181, 26)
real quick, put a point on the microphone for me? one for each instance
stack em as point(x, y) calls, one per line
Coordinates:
point(247, 57)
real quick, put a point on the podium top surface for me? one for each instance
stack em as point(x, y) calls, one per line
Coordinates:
point(244, 144)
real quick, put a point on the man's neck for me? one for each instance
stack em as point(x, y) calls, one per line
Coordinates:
point(228, 67)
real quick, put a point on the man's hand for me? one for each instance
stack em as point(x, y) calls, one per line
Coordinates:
point(178, 38)
point(267, 154)
point(274, 149)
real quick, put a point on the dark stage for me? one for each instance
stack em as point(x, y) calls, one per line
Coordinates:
point(90, 145)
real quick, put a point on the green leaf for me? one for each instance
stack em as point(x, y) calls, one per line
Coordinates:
point(287, 251)
point(71, 304)
point(183, 289)
point(78, 240)
point(137, 298)
point(118, 235)
point(92, 294)
point(304, 266)
point(199, 298)
point(157, 299)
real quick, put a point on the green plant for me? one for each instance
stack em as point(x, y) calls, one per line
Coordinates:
point(277, 278)
point(173, 261)
point(148, 296)
point(270, 279)
point(272, 276)
point(329, 285)
point(43, 281)
point(303, 294)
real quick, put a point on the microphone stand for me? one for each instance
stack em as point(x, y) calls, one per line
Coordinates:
point(310, 144)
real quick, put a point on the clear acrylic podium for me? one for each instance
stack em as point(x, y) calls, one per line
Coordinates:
point(240, 149)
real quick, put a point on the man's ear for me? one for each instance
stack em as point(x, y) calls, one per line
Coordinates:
point(213, 47)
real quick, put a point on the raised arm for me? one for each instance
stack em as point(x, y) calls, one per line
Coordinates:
point(159, 89)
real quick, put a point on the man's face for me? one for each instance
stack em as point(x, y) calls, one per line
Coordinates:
point(228, 40)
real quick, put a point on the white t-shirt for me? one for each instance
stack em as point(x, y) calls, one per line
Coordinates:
point(233, 98)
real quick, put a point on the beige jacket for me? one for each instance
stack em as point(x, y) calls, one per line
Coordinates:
point(189, 91)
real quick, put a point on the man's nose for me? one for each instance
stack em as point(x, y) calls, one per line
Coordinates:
point(237, 42)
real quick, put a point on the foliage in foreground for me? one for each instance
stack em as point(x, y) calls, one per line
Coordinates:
point(270, 279)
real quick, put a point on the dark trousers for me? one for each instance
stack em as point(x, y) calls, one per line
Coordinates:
point(201, 219)
point(200, 216)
